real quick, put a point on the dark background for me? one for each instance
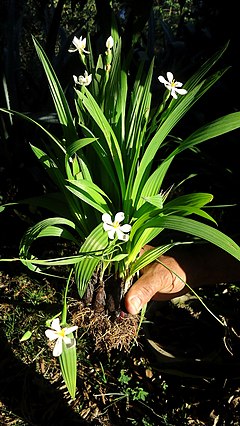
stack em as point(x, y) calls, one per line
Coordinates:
point(181, 34)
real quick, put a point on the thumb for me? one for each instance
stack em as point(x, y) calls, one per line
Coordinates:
point(140, 293)
point(157, 283)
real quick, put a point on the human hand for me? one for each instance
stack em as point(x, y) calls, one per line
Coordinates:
point(156, 283)
point(196, 264)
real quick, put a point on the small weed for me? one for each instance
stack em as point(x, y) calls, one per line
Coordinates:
point(124, 379)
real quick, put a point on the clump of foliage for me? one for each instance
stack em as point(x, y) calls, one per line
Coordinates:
point(110, 199)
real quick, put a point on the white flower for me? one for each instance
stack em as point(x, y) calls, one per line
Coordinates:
point(109, 43)
point(80, 44)
point(172, 85)
point(60, 335)
point(113, 228)
point(83, 80)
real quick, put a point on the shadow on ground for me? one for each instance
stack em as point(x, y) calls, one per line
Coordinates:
point(28, 395)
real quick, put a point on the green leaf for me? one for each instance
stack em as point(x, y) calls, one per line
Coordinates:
point(79, 144)
point(53, 139)
point(26, 336)
point(155, 200)
point(107, 138)
point(68, 364)
point(136, 126)
point(53, 202)
point(48, 227)
point(189, 204)
point(56, 261)
point(89, 193)
point(119, 257)
point(96, 241)
point(197, 229)
point(148, 257)
point(139, 239)
point(59, 99)
point(196, 199)
point(205, 68)
point(64, 308)
point(218, 127)
point(148, 186)
point(188, 210)
point(157, 140)
point(50, 166)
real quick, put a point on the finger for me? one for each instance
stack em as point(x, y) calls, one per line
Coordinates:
point(140, 293)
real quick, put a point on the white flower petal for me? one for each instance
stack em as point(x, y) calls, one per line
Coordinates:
point(170, 76)
point(173, 93)
point(107, 227)
point(67, 340)
point(70, 343)
point(181, 91)
point(83, 42)
point(125, 228)
point(57, 350)
point(56, 324)
point(178, 84)
point(162, 80)
point(80, 44)
point(106, 218)
point(119, 217)
point(111, 233)
point(69, 330)
point(51, 334)
point(76, 40)
point(88, 80)
point(109, 43)
point(83, 80)
point(121, 236)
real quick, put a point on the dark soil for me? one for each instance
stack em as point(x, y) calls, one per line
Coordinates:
point(193, 378)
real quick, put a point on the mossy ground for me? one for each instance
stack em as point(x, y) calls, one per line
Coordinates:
point(113, 387)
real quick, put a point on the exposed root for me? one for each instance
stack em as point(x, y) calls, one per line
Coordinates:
point(108, 333)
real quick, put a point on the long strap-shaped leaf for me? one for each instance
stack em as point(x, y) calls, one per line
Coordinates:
point(136, 135)
point(158, 138)
point(90, 194)
point(201, 73)
point(110, 139)
point(209, 131)
point(155, 180)
point(68, 364)
point(97, 240)
point(153, 184)
point(59, 179)
point(200, 230)
point(44, 228)
point(60, 102)
point(53, 138)
point(148, 257)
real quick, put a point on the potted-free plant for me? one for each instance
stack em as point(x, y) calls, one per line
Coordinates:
point(110, 198)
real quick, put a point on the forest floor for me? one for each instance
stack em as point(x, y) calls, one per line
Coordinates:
point(184, 368)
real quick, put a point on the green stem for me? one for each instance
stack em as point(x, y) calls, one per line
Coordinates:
point(193, 291)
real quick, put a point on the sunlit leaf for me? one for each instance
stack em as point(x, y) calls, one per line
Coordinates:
point(26, 336)
point(68, 364)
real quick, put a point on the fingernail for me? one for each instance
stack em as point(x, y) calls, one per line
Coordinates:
point(135, 304)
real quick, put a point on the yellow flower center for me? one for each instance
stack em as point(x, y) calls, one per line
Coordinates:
point(173, 84)
point(115, 224)
point(61, 333)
